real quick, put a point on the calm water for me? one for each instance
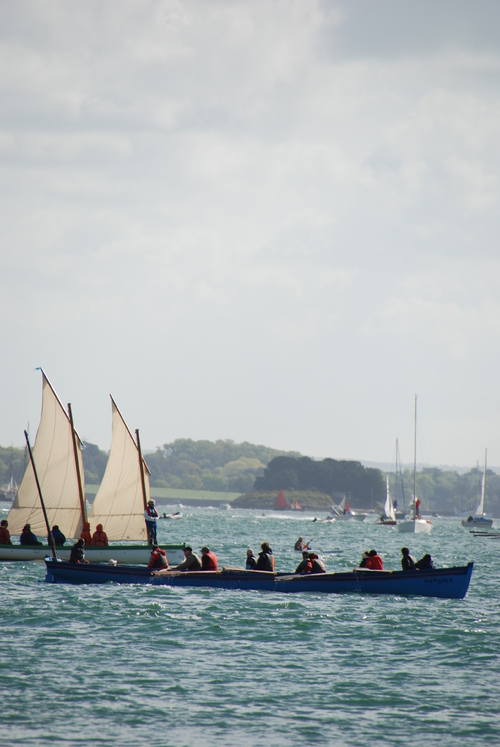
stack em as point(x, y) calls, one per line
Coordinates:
point(157, 666)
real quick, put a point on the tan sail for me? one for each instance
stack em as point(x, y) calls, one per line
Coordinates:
point(119, 504)
point(54, 457)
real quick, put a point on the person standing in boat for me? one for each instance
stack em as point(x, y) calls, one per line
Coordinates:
point(28, 537)
point(208, 560)
point(251, 561)
point(374, 561)
point(265, 561)
point(99, 538)
point(407, 561)
point(417, 508)
point(151, 516)
point(59, 538)
point(158, 558)
point(4, 533)
point(191, 561)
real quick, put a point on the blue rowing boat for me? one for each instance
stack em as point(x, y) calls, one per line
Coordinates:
point(447, 583)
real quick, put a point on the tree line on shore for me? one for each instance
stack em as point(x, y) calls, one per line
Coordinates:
point(243, 468)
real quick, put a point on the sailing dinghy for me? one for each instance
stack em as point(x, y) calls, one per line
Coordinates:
point(479, 520)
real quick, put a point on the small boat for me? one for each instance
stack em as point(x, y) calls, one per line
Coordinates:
point(343, 512)
point(479, 519)
point(447, 583)
point(225, 506)
point(414, 523)
point(175, 515)
point(388, 517)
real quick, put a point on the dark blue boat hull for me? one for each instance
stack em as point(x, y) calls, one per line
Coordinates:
point(447, 583)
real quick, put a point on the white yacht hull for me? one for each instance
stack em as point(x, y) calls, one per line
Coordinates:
point(133, 554)
point(415, 526)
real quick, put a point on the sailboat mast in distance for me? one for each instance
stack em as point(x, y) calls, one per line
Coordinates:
point(415, 462)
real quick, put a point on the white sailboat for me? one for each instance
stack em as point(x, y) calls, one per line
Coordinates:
point(343, 512)
point(119, 504)
point(480, 519)
point(389, 516)
point(414, 524)
point(10, 491)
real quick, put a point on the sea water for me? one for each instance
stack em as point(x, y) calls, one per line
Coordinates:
point(159, 666)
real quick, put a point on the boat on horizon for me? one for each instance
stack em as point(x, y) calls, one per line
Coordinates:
point(479, 519)
point(446, 583)
point(414, 523)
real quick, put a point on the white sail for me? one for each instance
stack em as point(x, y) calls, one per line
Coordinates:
point(389, 508)
point(54, 457)
point(480, 506)
point(119, 503)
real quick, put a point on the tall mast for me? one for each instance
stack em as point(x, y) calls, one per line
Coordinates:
point(141, 467)
point(415, 463)
point(83, 506)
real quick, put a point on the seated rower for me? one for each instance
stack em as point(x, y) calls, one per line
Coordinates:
point(251, 560)
point(28, 537)
point(158, 558)
point(4, 533)
point(374, 562)
point(59, 538)
point(208, 560)
point(407, 561)
point(77, 554)
point(300, 545)
point(265, 561)
point(364, 559)
point(425, 563)
point(191, 561)
point(305, 565)
point(317, 565)
point(99, 538)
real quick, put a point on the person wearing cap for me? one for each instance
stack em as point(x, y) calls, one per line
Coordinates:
point(158, 558)
point(191, 561)
point(251, 561)
point(305, 565)
point(265, 561)
point(4, 533)
point(208, 560)
point(151, 516)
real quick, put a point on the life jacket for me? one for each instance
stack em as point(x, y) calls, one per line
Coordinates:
point(99, 538)
point(265, 562)
point(209, 562)
point(375, 563)
point(153, 513)
point(305, 566)
point(4, 536)
point(318, 566)
point(158, 559)
point(85, 533)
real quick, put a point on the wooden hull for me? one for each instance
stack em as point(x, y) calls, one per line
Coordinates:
point(447, 583)
point(122, 553)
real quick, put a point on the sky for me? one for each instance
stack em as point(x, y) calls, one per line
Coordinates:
point(268, 221)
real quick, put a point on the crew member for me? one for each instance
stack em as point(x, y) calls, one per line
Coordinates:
point(4, 533)
point(85, 533)
point(407, 561)
point(317, 565)
point(99, 538)
point(305, 565)
point(58, 536)
point(208, 560)
point(251, 560)
point(424, 563)
point(158, 558)
point(299, 545)
point(191, 561)
point(417, 508)
point(265, 561)
point(151, 516)
point(28, 537)
point(364, 559)
point(77, 554)
point(374, 561)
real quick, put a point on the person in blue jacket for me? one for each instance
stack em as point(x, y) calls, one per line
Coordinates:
point(58, 536)
point(28, 537)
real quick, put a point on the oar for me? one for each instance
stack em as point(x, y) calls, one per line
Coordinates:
point(49, 532)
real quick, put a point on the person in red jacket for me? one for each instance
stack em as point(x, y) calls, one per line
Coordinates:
point(85, 533)
point(158, 558)
point(208, 560)
point(4, 533)
point(374, 561)
point(99, 538)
